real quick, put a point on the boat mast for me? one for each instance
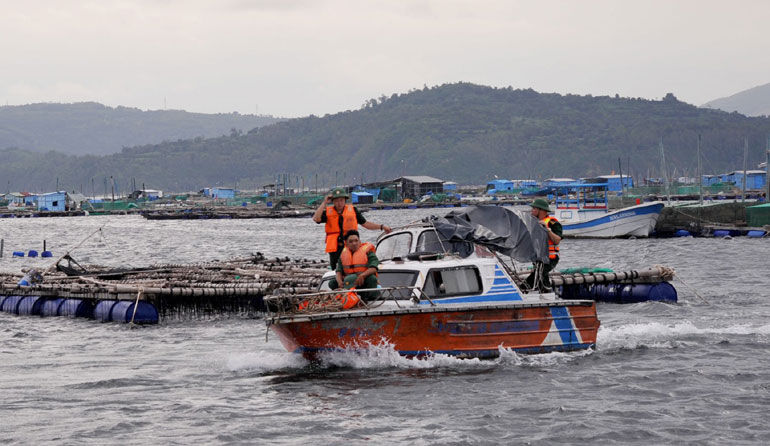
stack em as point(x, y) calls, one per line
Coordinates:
point(700, 174)
point(663, 170)
point(767, 171)
point(745, 160)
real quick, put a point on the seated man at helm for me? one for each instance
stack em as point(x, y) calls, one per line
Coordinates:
point(357, 266)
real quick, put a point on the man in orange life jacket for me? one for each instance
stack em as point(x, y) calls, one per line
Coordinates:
point(341, 218)
point(540, 211)
point(359, 260)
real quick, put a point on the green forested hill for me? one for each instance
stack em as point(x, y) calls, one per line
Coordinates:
point(91, 128)
point(461, 132)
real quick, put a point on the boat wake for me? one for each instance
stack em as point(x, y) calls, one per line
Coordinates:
point(264, 362)
point(660, 335)
point(384, 356)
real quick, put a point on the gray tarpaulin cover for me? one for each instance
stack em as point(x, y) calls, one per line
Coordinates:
point(513, 233)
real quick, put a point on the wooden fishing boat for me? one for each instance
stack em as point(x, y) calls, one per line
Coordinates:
point(441, 295)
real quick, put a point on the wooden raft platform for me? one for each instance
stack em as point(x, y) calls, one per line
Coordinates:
point(232, 286)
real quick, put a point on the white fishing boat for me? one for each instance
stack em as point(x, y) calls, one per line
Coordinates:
point(583, 212)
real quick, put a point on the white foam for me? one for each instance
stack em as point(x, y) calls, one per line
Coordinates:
point(660, 335)
point(508, 356)
point(264, 361)
point(385, 356)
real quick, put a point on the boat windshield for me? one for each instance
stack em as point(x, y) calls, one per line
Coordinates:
point(396, 245)
point(429, 241)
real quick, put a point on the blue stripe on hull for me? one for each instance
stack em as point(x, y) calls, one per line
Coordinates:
point(563, 322)
point(479, 298)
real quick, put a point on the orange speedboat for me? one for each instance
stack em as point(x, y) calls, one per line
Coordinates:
point(438, 295)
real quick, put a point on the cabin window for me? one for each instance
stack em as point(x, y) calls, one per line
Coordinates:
point(396, 278)
point(396, 245)
point(452, 282)
point(429, 241)
point(386, 279)
point(389, 279)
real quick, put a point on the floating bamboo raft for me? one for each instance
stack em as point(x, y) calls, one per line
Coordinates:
point(236, 286)
point(227, 213)
point(190, 290)
point(653, 274)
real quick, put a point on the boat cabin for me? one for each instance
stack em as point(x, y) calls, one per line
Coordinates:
point(447, 272)
point(573, 201)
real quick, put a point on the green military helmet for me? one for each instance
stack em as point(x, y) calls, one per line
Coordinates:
point(339, 192)
point(540, 203)
point(349, 281)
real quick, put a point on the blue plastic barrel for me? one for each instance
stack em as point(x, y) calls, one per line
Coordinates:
point(682, 233)
point(721, 233)
point(51, 306)
point(123, 311)
point(102, 311)
point(621, 293)
point(32, 253)
point(18, 253)
point(76, 308)
point(755, 234)
point(46, 254)
point(11, 304)
point(646, 292)
point(30, 305)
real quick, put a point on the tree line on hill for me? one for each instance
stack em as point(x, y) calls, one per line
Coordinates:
point(462, 132)
point(88, 128)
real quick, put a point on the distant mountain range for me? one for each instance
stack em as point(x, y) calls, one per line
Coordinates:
point(752, 102)
point(462, 132)
point(88, 128)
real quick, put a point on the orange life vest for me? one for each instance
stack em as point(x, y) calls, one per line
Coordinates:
point(348, 299)
point(553, 249)
point(356, 262)
point(333, 231)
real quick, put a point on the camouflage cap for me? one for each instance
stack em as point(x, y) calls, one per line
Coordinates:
point(339, 192)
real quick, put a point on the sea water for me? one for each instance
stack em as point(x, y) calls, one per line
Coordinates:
point(692, 372)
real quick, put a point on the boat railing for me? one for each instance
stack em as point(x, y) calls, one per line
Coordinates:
point(337, 300)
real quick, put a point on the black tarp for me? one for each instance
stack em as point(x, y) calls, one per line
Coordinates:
point(510, 232)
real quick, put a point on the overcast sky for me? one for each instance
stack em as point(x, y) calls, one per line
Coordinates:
point(294, 58)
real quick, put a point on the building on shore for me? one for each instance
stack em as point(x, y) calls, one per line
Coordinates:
point(755, 179)
point(52, 201)
point(414, 187)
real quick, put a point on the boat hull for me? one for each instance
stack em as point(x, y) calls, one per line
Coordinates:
point(637, 221)
point(464, 332)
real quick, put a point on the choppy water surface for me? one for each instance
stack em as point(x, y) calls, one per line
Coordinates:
point(692, 372)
